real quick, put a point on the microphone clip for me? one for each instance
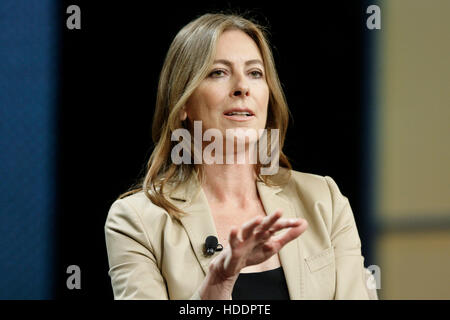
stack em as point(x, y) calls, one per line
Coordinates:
point(212, 245)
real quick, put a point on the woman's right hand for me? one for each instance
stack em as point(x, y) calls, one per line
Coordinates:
point(251, 244)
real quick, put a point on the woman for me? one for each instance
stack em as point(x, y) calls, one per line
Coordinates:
point(285, 234)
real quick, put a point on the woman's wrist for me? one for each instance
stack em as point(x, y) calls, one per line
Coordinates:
point(213, 290)
point(217, 285)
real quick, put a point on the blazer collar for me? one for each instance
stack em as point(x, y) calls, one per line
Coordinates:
point(272, 199)
point(198, 223)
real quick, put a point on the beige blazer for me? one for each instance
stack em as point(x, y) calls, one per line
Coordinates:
point(152, 256)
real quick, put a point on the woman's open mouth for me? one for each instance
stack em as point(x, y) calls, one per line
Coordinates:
point(239, 115)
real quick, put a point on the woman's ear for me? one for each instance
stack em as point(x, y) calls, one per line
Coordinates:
point(183, 114)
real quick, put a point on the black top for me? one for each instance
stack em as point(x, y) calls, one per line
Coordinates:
point(266, 285)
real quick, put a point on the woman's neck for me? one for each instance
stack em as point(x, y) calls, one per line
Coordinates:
point(230, 182)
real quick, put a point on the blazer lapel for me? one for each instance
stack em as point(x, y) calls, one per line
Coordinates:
point(290, 254)
point(197, 221)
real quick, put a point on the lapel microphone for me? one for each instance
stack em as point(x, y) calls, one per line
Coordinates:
point(212, 245)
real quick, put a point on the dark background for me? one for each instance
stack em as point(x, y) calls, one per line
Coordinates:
point(108, 80)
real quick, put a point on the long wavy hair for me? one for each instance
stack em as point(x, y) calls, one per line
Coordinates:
point(187, 63)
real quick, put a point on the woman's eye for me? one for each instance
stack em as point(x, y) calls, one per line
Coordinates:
point(256, 74)
point(217, 73)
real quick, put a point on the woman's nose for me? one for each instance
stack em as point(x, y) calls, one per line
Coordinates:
point(241, 89)
point(241, 92)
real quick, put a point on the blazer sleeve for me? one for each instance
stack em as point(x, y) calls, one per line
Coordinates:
point(352, 278)
point(133, 269)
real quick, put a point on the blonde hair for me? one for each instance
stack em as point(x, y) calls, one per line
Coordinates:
point(187, 63)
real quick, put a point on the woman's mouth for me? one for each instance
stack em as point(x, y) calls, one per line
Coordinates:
point(237, 115)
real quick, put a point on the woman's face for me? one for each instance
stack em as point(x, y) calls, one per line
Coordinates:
point(235, 92)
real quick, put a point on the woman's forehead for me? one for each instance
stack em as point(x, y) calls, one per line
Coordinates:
point(236, 45)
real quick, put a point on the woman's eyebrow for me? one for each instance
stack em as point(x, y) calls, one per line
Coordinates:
point(229, 63)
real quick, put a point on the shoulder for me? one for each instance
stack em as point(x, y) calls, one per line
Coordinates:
point(310, 185)
point(136, 209)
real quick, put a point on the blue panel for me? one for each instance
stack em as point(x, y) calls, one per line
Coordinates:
point(28, 96)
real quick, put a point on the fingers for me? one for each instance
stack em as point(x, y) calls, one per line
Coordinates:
point(249, 227)
point(267, 223)
point(291, 234)
point(270, 220)
point(233, 237)
point(263, 229)
point(258, 225)
point(255, 241)
point(286, 223)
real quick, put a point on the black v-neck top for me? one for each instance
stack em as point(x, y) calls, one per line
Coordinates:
point(266, 285)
